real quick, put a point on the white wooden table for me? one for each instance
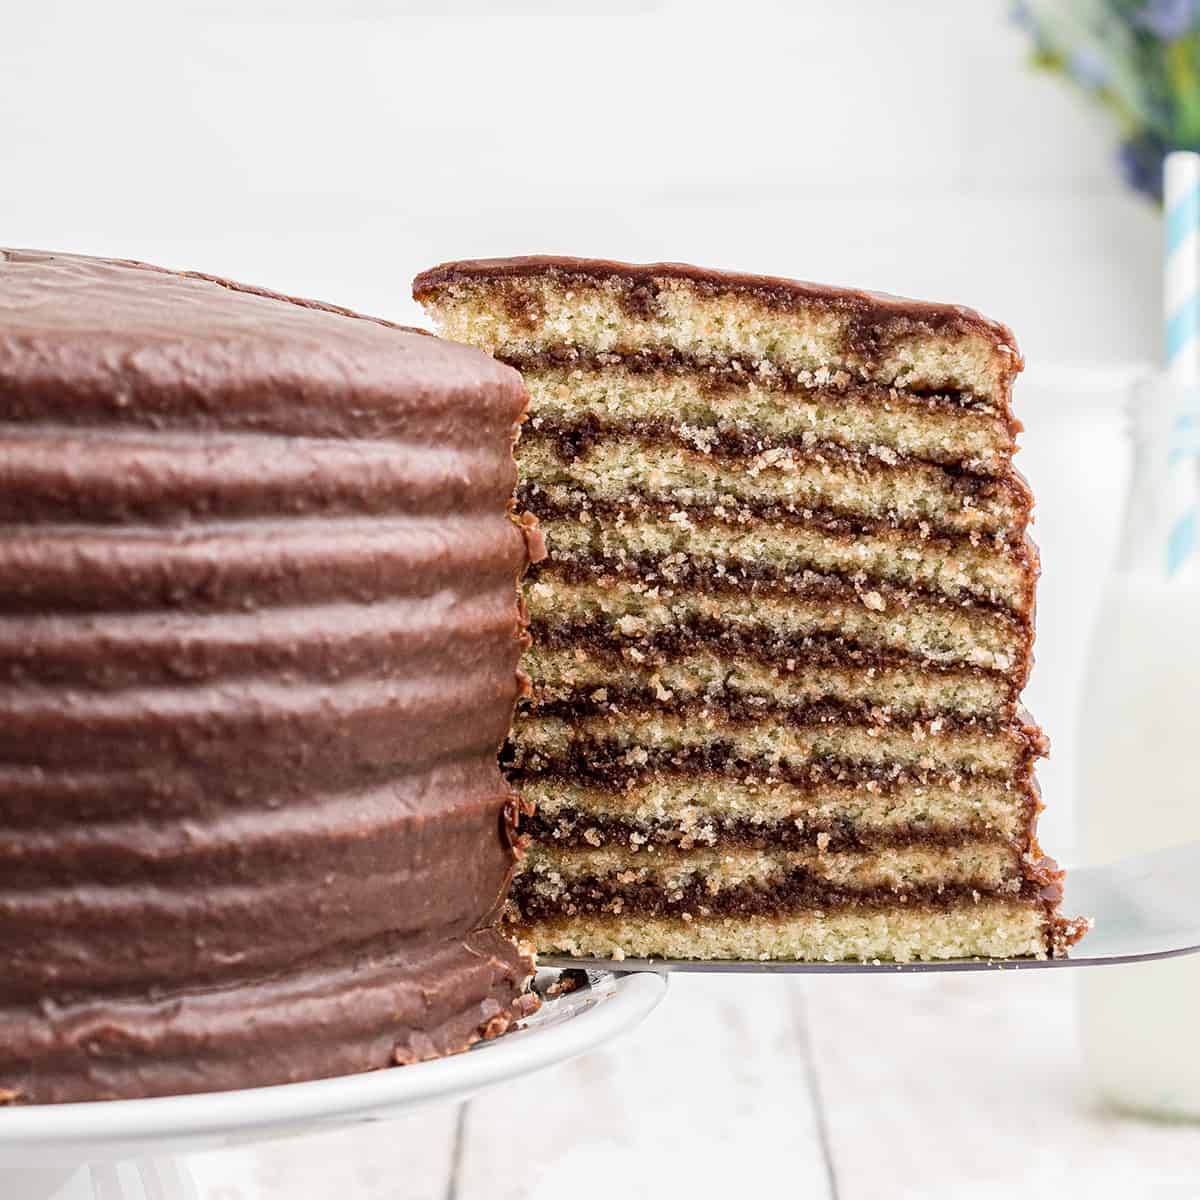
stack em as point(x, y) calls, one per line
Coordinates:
point(866, 1088)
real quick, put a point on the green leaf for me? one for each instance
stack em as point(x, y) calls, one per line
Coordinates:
point(1184, 80)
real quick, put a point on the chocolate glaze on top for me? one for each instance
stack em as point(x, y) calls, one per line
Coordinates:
point(875, 316)
point(86, 340)
point(259, 636)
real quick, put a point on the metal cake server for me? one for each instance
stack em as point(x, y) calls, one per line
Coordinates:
point(1144, 907)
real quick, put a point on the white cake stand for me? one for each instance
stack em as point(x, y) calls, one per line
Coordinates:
point(129, 1149)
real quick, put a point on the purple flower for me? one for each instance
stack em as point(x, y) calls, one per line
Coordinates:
point(1021, 15)
point(1141, 160)
point(1167, 19)
point(1088, 68)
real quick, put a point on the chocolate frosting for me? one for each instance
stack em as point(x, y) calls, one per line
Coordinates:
point(259, 636)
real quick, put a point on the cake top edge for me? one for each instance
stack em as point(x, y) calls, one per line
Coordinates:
point(75, 317)
point(19, 266)
point(772, 288)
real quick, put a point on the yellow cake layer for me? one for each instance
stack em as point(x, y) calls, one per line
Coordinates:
point(701, 410)
point(989, 928)
point(871, 619)
point(987, 572)
point(526, 315)
point(917, 494)
point(635, 734)
point(566, 673)
point(694, 806)
point(549, 870)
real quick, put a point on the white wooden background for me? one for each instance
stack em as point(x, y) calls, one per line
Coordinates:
point(867, 1088)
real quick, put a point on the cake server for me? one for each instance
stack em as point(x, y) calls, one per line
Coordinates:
point(1144, 907)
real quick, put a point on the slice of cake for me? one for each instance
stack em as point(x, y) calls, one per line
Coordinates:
point(259, 635)
point(784, 623)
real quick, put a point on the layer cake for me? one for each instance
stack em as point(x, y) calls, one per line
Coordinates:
point(259, 636)
point(784, 623)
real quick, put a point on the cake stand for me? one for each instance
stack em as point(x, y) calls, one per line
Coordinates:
point(130, 1149)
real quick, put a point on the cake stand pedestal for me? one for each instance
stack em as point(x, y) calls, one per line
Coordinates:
point(131, 1149)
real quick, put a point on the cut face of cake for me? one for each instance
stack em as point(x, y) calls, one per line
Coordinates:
point(784, 623)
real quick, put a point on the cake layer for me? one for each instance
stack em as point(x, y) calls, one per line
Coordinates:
point(306, 561)
point(521, 306)
point(990, 927)
point(65, 474)
point(654, 615)
point(660, 877)
point(326, 643)
point(707, 808)
point(656, 736)
point(1001, 575)
point(356, 722)
point(344, 840)
point(753, 411)
point(895, 686)
point(203, 792)
point(360, 1008)
point(622, 471)
point(213, 914)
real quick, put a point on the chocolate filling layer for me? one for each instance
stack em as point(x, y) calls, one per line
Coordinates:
point(597, 760)
point(673, 642)
point(706, 712)
point(706, 633)
point(839, 524)
point(764, 578)
point(714, 377)
point(795, 892)
point(573, 828)
point(835, 524)
point(884, 778)
point(579, 434)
